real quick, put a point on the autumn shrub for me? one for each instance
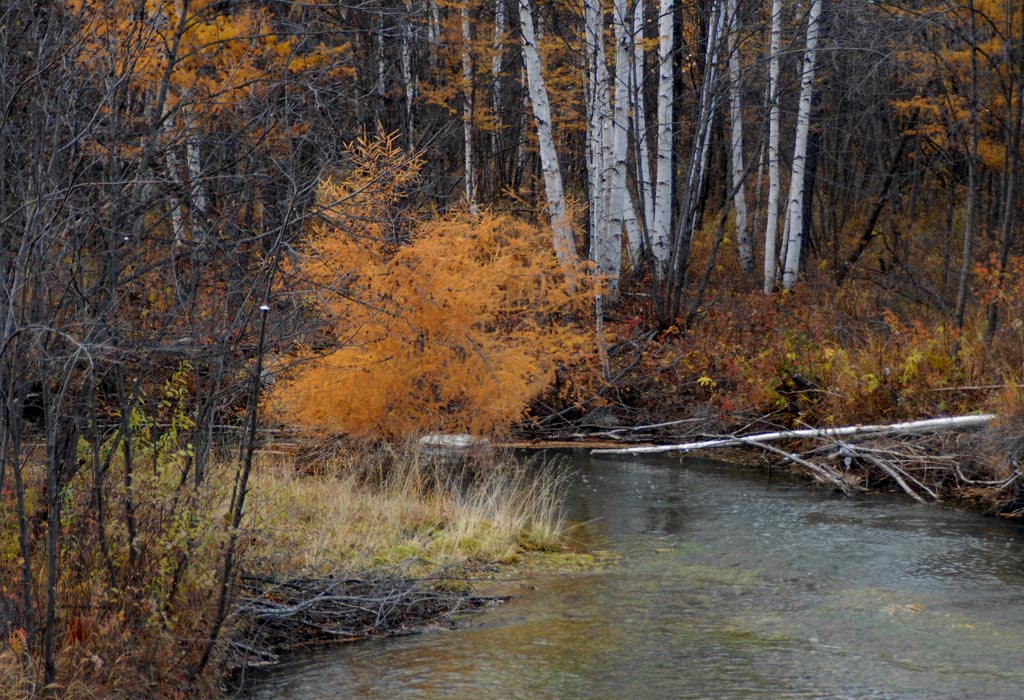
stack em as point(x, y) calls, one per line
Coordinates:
point(456, 324)
point(821, 355)
point(139, 559)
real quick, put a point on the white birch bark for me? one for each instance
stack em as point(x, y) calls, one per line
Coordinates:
point(919, 426)
point(174, 173)
point(195, 174)
point(645, 188)
point(177, 218)
point(743, 247)
point(467, 112)
point(598, 118)
point(620, 204)
point(561, 227)
point(433, 30)
point(497, 66)
point(660, 232)
point(497, 60)
point(794, 215)
point(772, 205)
point(380, 87)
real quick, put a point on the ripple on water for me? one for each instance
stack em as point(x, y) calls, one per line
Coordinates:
point(724, 585)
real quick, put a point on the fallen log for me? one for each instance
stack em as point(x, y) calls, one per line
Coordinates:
point(919, 426)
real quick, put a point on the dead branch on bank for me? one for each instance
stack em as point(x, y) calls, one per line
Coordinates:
point(820, 471)
point(931, 424)
point(918, 457)
point(277, 615)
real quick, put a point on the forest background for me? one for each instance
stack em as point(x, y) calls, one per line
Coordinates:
point(385, 218)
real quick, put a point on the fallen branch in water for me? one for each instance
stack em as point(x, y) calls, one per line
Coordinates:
point(848, 451)
point(821, 471)
point(929, 425)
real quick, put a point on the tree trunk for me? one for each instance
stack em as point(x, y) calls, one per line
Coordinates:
point(967, 260)
point(697, 169)
point(599, 123)
point(561, 227)
point(407, 78)
point(661, 230)
point(620, 204)
point(499, 175)
point(1011, 166)
point(467, 112)
point(774, 184)
point(743, 247)
point(644, 184)
point(918, 426)
point(795, 213)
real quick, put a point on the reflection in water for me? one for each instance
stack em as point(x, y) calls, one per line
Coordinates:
point(725, 585)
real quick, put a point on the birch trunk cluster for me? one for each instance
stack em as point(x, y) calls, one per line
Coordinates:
point(647, 181)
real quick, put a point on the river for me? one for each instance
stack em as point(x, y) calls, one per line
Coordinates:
point(720, 582)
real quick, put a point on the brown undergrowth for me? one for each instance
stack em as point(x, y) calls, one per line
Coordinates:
point(819, 356)
point(365, 510)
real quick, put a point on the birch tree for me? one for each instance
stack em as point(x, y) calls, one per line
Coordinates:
point(967, 259)
point(696, 168)
point(561, 227)
point(599, 128)
point(497, 62)
point(795, 213)
point(467, 110)
point(621, 214)
point(772, 205)
point(743, 246)
point(408, 83)
point(660, 232)
point(645, 185)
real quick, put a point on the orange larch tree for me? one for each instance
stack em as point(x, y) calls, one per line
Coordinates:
point(457, 327)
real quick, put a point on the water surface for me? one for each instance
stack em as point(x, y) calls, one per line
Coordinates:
point(722, 583)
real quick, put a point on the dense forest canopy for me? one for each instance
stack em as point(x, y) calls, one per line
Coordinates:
point(423, 215)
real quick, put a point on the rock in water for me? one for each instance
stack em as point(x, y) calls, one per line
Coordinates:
point(450, 446)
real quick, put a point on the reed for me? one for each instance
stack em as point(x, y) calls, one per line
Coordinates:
point(390, 505)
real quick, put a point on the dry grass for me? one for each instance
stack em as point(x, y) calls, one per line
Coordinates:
point(383, 507)
point(362, 509)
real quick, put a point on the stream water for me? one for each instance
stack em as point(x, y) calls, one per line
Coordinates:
point(722, 583)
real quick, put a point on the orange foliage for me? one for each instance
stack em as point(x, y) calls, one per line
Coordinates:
point(457, 329)
point(222, 57)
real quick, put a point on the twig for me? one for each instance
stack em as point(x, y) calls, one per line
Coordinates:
point(823, 472)
point(894, 473)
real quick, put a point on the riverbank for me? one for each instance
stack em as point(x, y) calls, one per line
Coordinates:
point(816, 357)
point(363, 541)
point(383, 540)
point(977, 467)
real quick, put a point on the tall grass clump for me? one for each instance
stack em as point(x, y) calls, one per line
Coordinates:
point(382, 506)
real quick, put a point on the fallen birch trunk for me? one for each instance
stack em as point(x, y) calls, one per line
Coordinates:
point(931, 424)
